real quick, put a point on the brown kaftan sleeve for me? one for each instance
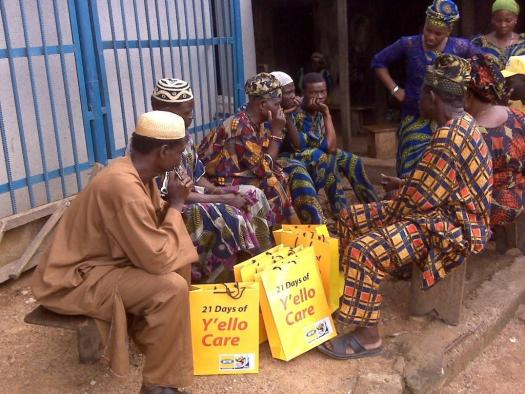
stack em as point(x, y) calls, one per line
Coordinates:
point(158, 249)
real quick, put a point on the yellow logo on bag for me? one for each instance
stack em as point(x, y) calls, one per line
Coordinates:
point(236, 362)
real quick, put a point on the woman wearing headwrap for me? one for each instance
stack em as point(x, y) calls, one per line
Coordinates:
point(222, 221)
point(439, 218)
point(502, 42)
point(418, 52)
point(504, 132)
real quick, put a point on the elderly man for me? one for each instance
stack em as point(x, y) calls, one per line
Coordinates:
point(243, 150)
point(225, 223)
point(120, 251)
point(440, 216)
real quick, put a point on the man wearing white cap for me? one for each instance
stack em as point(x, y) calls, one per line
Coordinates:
point(120, 250)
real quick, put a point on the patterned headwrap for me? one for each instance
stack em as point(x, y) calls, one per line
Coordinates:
point(487, 80)
point(442, 13)
point(171, 90)
point(263, 85)
point(448, 74)
point(506, 5)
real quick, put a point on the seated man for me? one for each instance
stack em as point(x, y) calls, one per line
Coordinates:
point(242, 151)
point(120, 251)
point(302, 187)
point(440, 217)
point(317, 148)
point(223, 222)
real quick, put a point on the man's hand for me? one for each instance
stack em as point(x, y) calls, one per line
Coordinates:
point(317, 105)
point(236, 200)
point(391, 183)
point(297, 101)
point(178, 190)
point(277, 122)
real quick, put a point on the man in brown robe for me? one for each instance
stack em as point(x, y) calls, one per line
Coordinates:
point(122, 255)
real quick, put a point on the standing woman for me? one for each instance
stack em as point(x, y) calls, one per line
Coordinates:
point(418, 52)
point(502, 42)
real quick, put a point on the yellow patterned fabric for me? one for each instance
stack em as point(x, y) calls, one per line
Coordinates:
point(263, 85)
point(449, 74)
point(439, 218)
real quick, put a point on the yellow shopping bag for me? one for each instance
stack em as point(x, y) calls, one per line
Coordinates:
point(317, 229)
point(296, 315)
point(327, 256)
point(245, 272)
point(225, 328)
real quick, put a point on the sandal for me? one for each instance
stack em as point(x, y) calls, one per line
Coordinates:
point(341, 343)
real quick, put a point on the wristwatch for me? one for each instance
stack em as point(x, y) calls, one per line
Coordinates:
point(394, 91)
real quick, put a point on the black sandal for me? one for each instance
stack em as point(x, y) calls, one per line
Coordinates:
point(341, 343)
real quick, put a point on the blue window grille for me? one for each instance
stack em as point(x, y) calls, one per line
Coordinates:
point(76, 75)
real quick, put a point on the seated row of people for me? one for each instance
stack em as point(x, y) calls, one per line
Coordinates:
point(248, 183)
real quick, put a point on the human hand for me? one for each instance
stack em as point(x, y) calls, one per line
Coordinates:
point(179, 186)
point(236, 200)
point(317, 105)
point(296, 104)
point(277, 121)
point(391, 183)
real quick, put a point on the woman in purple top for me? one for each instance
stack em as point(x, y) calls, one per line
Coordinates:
point(418, 52)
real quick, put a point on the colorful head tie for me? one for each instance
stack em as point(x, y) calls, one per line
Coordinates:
point(448, 74)
point(487, 80)
point(443, 13)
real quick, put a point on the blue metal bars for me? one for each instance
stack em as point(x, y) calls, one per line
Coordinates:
point(194, 40)
point(42, 143)
point(76, 75)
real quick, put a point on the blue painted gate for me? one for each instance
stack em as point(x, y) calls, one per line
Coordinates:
point(75, 75)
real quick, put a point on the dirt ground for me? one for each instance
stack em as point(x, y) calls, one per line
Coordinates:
point(44, 360)
point(499, 369)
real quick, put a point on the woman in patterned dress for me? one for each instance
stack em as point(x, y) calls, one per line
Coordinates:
point(504, 133)
point(223, 222)
point(418, 52)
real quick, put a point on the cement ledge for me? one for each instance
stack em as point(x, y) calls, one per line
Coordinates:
point(436, 355)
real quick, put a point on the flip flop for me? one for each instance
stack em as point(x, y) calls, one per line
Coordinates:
point(341, 343)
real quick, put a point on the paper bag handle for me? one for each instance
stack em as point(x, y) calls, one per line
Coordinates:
point(227, 290)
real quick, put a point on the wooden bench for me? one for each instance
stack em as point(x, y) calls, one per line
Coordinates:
point(382, 140)
point(509, 236)
point(445, 298)
point(88, 336)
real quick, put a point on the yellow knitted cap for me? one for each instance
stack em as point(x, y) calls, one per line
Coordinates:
point(161, 125)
